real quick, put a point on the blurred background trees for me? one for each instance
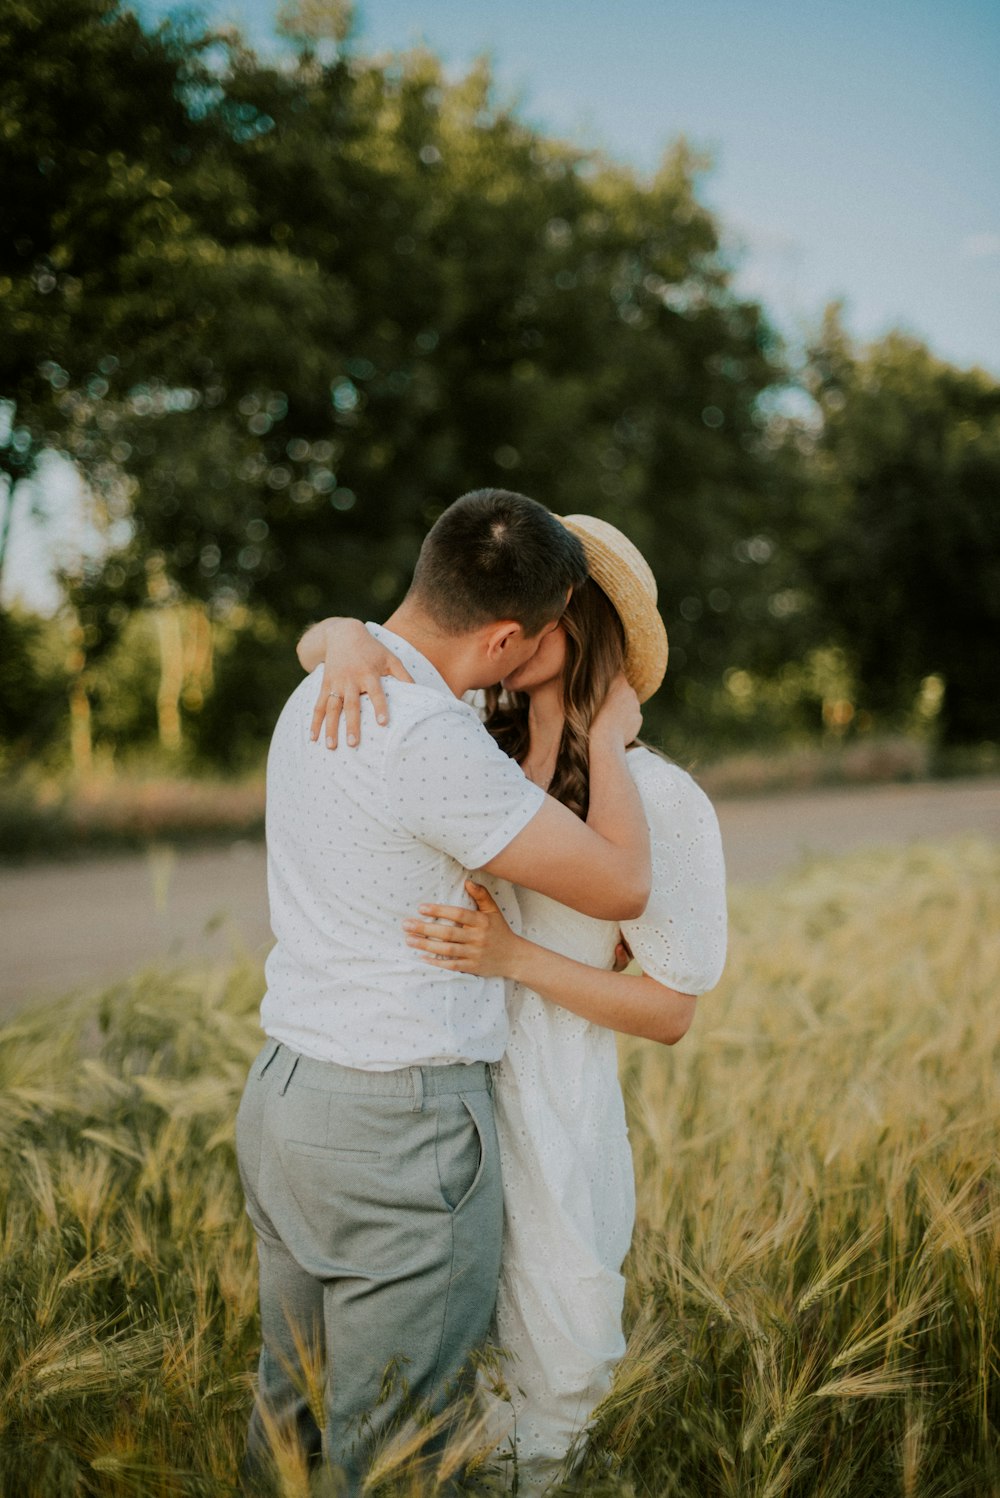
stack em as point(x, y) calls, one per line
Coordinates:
point(278, 314)
point(905, 565)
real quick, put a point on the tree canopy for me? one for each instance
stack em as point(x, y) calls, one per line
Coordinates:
point(280, 311)
point(905, 555)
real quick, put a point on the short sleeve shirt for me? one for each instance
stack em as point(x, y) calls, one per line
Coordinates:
point(680, 938)
point(357, 839)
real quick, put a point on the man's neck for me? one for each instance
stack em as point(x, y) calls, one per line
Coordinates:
point(448, 654)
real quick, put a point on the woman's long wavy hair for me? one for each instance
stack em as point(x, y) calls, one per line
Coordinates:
point(595, 654)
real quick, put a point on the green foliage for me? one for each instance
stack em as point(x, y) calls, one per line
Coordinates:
point(280, 311)
point(90, 118)
point(31, 685)
point(328, 297)
point(238, 718)
point(812, 1292)
point(905, 550)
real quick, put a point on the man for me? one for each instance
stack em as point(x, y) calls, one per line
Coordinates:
point(365, 1135)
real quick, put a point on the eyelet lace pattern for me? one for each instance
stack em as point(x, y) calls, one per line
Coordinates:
point(567, 1168)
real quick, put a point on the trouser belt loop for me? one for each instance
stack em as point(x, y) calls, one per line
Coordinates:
point(489, 1076)
point(291, 1061)
point(417, 1075)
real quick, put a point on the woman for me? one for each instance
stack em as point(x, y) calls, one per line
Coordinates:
point(567, 1168)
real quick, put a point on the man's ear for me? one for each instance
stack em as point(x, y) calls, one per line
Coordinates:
point(500, 636)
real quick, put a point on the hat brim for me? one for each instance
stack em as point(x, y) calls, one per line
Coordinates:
point(621, 570)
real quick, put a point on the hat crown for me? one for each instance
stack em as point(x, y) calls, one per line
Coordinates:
point(621, 570)
point(617, 542)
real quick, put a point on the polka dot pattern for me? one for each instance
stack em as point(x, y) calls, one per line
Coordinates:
point(357, 839)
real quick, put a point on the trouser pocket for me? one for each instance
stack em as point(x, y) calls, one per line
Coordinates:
point(459, 1150)
point(463, 1146)
point(250, 1127)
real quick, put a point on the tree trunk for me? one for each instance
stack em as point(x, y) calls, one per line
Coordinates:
point(199, 650)
point(81, 739)
point(168, 697)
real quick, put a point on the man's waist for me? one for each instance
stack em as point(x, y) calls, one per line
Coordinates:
point(295, 969)
point(417, 1081)
point(370, 1036)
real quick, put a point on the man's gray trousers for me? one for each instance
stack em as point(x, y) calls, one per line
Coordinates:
point(377, 1202)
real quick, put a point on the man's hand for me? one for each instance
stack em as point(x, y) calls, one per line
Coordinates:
point(353, 666)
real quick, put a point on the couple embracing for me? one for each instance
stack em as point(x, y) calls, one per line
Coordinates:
point(432, 1141)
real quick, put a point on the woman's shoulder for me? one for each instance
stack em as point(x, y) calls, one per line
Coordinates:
point(662, 780)
point(687, 903)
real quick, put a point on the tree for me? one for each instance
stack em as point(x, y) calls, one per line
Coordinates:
point(906, 561)
point(31, 685)
point(303, 305)
point(91, 118)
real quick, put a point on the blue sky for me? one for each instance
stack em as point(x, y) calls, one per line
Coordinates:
point(857, 142)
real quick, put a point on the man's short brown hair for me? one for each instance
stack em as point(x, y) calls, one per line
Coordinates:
point(495, 555)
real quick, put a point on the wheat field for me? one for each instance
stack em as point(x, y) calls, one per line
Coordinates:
point(814, 1294)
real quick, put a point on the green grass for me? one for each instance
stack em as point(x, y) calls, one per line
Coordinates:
point(813, 1295)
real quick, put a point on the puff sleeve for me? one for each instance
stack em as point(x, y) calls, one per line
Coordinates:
point(680, 938)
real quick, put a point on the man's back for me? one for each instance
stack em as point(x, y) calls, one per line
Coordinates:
point(357, 840)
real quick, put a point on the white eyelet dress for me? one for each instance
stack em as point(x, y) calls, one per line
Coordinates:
point(569, 1189)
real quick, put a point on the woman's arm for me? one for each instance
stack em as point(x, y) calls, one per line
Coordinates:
point(353, 666)
point(480, 941)
point(602, 867)
point(631, 1003)
point(615, 808)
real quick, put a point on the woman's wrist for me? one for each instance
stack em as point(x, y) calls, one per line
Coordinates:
point(606, 739)
point(311, 648)
point(523, 956)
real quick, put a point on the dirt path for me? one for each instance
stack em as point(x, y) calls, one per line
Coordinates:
point(68, 926)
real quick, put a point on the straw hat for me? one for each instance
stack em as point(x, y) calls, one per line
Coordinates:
point(625, 575)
